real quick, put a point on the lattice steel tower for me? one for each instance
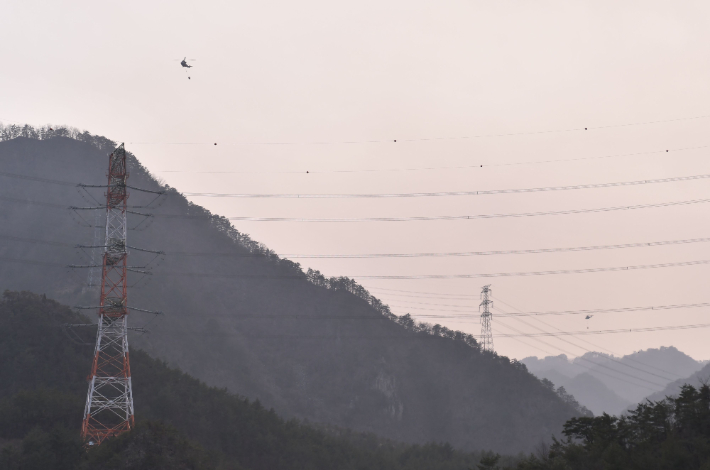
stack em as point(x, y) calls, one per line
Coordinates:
point(109, 402)
point(486, 331)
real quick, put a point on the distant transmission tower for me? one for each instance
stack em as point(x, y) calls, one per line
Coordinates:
point(486, 330)
point(109, 402)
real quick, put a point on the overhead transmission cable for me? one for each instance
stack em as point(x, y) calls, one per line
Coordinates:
point(487, 192)
point(597, 364)
point(619, 330)
point(432, 168)
point(595, 346)
point(536, 273)
point(466, 276)
point(594, 364)
point(404, 219)
point(474, 136)
point(59, 265)
point(602, 348)
point(426, 295)
point(450, 217)
point(456, 254)
point(411, 255)
point(421, 276)
point(566, 312)
point(393, 219)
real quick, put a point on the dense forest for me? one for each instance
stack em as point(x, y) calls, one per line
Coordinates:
point(237, 316)
point(673, 433)
point(182, 423)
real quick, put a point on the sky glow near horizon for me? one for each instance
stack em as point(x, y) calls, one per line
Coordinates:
point(281, 87)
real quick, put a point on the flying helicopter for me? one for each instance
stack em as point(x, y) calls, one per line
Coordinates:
point(587, 318)
point(184, 64)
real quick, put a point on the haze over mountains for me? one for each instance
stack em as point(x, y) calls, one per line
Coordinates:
point(698, 379)
point(604, 383)
point(238, 316)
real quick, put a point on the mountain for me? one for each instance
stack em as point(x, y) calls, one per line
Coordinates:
point(634, 375)
point(238, 316)
point(182, 424)
point(586, 389)
point(596, 396)
point(617, 382)
point(554, 376)
point(560, 364)
point(673, 389)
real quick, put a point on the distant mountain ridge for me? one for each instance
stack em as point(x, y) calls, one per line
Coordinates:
point(238, 316)
point(697, 380)
point(619, 382)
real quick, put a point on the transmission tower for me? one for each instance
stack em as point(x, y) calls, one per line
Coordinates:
point(109, 402)
point(486, 331)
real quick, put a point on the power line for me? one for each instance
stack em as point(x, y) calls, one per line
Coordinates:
point(453, 254)
point(398, 195)
point(476, 136)
point(601, 372)
point(566, 312)
point(407, 219)
point(36, 178)
point(31, 202)
point(409, 295)
point(681, 327)
point(588, 350)
point(452, 217)
point(614, 331)
point(420, 292)
point(449, 276)
point(600, 347)
point(537, 273)
point(583, 340)
point(407, 255)
point(396, 277)
point(35, 240)
point(487, 192)
point(404, 219)
point(431, 168)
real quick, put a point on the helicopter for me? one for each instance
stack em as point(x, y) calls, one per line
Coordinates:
point(184, 64)
point(587, 318)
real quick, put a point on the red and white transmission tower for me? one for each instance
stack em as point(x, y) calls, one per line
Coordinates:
point(109, 402)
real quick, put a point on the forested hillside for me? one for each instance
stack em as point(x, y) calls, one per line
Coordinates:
point(182, 423)
point(238, 316)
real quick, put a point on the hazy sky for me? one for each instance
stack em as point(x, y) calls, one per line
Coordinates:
point(281, 86)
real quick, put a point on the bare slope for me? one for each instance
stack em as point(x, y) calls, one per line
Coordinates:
point(251, 322)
